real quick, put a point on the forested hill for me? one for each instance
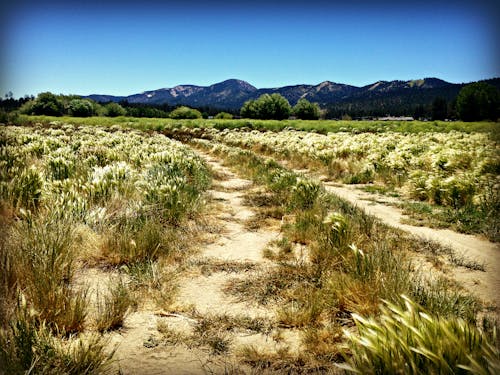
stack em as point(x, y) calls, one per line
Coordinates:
point(379, 98)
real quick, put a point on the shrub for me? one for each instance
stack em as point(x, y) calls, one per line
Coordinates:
point(114, 110)
point(185, 113)
point(223, 116)
point(81, 108)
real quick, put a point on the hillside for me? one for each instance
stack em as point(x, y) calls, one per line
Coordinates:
point(232, 93)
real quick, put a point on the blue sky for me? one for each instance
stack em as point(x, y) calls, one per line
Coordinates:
point(128, 47)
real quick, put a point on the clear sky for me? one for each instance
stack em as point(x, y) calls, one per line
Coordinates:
point(126, 47)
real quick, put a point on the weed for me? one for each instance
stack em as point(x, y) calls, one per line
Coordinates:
point(28, 346)
point(462, 261)
point(410, 340)
point(46, 266)
point(325, 343)
point(136, 240)
point(144, 274)
point(304, 194)
point(209, 266)
point(271, 285)
point(171, 336)
point(113, 307)
point(281, 361)
point(284, 247)
point(25, 190)
point(303, 310)
point(441, 297)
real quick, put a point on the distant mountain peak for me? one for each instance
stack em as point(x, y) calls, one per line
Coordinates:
point(232, 93)
point(325, 83)
point(234, 84)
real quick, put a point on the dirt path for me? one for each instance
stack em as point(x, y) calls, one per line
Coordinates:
point(485, 284)
point(169, 342)
point(236, 253)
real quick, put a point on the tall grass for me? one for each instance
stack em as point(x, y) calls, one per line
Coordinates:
point(73, 196)
point(28, 346)
point(113, 307)
point(135, 240)
point(410, 340)
point(42, 255)
point(454, 173)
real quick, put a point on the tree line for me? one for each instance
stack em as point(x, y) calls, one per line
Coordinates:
point(476, 101)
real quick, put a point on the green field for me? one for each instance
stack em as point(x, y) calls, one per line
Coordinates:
point(320, 126)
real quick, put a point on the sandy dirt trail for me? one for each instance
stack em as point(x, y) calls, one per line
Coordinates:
point(140, 350)
point(485, 284)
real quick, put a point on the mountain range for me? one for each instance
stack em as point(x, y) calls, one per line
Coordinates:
point(232, 93)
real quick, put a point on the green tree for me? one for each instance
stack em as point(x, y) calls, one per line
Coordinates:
point(185, 113)
point(478, 101)
point(439, 109)
point(305, 110)
point(419, 112)
point(46, 103)
point(250, 109)
point(267, 107)
point(274, 107)
point(81, 108)
point(114, 109)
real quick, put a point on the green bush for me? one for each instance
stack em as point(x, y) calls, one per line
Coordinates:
point(185, 113)
point(81, 108)
point(114, 110)
point(223, 116)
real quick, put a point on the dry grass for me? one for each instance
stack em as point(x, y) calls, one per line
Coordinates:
point(214, 332)
point(281, 362)
point(113, 307)
point(209, 266)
